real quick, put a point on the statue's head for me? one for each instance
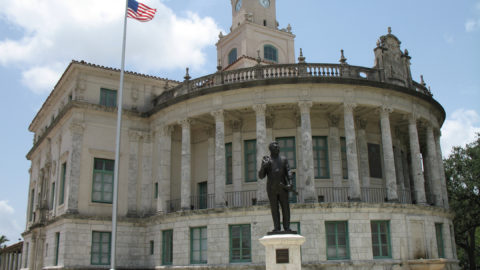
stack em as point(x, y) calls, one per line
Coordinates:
point(274, 148)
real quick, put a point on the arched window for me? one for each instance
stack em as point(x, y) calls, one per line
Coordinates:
point(270, 53)
point(232, 56)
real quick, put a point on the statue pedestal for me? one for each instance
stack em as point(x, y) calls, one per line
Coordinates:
point(282, 251)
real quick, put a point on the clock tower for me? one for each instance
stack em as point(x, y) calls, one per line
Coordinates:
point(254, 32)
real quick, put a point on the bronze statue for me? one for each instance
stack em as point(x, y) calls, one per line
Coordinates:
point(279, 183)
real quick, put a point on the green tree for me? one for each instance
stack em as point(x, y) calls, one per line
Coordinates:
point(3, 239)
point(462, 170)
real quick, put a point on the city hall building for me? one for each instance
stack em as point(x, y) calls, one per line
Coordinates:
point(364, 143)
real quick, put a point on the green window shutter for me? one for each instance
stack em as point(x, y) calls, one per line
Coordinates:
point(439, 236)
point(101, 248)
point(62, 184)
point(156, 191)
point(381, 245)
point(250, 149)
point(232, 56)
point(337, 240)
point(198, 245)
point(343, 147)
point(374, 160)
point(108, 97)
point(32, 203)
point(228, 164)
point(52, 195)
point(240, 243)
point(167, 247)
point(320, 157)
point(57, 247)
point(152, 247)
point(102, 187)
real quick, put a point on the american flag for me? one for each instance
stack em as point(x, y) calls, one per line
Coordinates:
point(139, 11)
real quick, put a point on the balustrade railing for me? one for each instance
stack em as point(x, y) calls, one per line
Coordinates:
point(279, 71)
point(241, 198)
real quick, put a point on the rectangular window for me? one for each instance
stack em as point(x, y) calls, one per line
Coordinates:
point(343, 148)
point(57, 246)
point(101, 248)
point(62, 183)
point(102, 188)
point(32, 203)
point(152, 247)
point(374, 160)
point(228, 164)
point(337, 240)
point(439, 236)
point(250, 148)
point(381, 239)
point(198, 245)
point(320, 157)
point(52, 196)
point(240, 243)
point(167, 247)
point(25, 264)
point(108, 97)
point(155, 195)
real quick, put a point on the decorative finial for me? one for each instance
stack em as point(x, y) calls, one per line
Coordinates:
point(219, 65)
point(389, 30)
point(220, 36)
point(422, 82)
point(301, 59)
point(342, 60)
point(406, 52)
point(378, 43)
point(187, 76)
point(289, 28)
point(259, 59)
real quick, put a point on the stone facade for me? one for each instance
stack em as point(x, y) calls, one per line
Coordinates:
point(363, 143)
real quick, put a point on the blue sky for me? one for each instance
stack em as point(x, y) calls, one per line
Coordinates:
point(38, 38)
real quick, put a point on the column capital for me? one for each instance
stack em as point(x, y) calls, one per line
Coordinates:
point(362, 123)
point(185, 123)
point(77, 127)
point(134, 135)
point(385, 110)
point(260, 108)
point(333, 120)
point(412, 118)
point(164, 130)
point(236, 125)
point(349, 106)
point(305, 106)
point(218, 115)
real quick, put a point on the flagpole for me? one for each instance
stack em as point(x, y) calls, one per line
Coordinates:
point(117, 148)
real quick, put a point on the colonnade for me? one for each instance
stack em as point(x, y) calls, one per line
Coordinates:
point(396, 173)
point(10, 260)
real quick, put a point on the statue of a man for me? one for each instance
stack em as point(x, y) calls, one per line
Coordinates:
point(279, 183)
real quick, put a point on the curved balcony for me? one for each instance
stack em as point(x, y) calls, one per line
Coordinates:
point(288, 73)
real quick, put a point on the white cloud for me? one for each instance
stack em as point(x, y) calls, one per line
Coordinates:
point(57, 31)
point(8, 225)
point(459, 129)
point(472, 25)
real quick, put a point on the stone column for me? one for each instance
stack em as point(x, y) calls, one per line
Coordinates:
point(434, 167)
point(72, 185)
point(262, 150)
point(269, 124)
point(308, 175)
point(211, 161)
point(298, 146)
point(334, 146)
point(164, 140)
point(397, 154)
point(418, 180)
point(133, 137)
point(147, 187)
point(363, 153)
point(185, 192)
point(388, 158)
point(237, 159)
point(220, 177)
point(442, 170)
point(352, 159)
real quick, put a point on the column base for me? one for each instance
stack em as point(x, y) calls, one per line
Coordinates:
point(310, 200)
point(354, 199)
point(393, 201)
point(263, 202)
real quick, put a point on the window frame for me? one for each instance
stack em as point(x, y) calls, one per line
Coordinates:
point(317, 150)
point(167, 239)
point(372, 158)
point(241, 248)
point(378, 223)
point(32, 205)
point(439, 238)
point(103, 172)
point(102, 234)
point(152, 247)
point(62, 183)
point(231, 55)
point(336, 235)
point(246, 163)
point(57, 247)
point(228, 164)
point(343, 156)
point(52, 196)
point(267, 52)
point(106, 96)
point(192, 246)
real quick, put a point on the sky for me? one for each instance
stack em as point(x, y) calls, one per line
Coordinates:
point(39, 38)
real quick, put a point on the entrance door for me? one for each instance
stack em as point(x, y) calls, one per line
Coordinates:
point(202, 195)
point(288, 150)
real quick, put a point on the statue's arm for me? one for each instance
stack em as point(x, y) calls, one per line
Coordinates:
point(288, 173)
point(263, 170)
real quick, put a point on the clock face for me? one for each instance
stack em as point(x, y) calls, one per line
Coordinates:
point(265, 3)
point(238, 5)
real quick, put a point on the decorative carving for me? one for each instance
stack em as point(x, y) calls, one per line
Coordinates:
point(349, 106)
point(305, 106)
point(185, 123)
point(362, 123)
point(77, 127)
point(333, 120)
point(260, 108)
point(218, 115)
point(236, 125)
